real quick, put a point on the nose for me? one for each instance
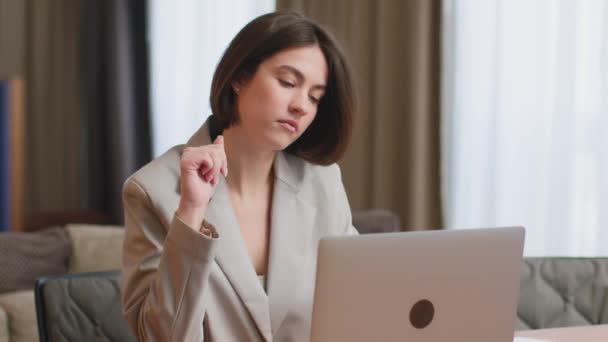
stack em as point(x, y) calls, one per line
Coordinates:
point(299, 104)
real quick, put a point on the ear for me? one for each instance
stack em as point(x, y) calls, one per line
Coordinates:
point(236, 86)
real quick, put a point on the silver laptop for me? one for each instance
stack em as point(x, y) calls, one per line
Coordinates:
point(450, 285)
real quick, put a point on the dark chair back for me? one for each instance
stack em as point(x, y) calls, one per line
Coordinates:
point(81, 307)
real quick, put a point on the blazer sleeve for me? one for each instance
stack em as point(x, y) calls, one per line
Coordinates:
point(165, 274)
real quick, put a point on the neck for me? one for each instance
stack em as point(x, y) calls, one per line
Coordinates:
point(249, 169)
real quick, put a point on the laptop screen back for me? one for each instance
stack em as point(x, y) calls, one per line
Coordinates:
point(452, 285)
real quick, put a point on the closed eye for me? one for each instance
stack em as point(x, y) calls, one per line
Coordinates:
point(314, 100)
point(286, 84)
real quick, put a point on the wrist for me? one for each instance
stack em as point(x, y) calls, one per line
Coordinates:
point(192, 215)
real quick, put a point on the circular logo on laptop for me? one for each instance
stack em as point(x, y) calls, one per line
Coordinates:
point(421, 314)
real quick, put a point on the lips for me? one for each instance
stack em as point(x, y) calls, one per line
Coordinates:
point(290, 125)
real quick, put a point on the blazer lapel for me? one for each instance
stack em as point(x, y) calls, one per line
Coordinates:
point(233, 259)
point(232, 256)
point(291, 221)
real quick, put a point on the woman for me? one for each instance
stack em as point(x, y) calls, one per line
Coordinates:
point(222, 233)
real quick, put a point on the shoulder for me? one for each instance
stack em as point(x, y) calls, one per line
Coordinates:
point(302, 172)
point(159, 177)
point(328, 176)
point(321, 187)
point(318, 183)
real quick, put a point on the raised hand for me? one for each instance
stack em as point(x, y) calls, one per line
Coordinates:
point(200, 168)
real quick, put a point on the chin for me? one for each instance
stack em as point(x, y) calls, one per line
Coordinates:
point(279, 143)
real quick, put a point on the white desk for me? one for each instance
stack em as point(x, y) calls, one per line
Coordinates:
point(591, 333)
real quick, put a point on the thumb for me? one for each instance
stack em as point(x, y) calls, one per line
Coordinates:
point(219, 140)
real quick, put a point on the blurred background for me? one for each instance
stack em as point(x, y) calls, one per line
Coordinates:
point(472, 113)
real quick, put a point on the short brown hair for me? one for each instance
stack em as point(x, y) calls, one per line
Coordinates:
point(328, 136)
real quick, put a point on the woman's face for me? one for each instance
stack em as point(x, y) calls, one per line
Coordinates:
point(279, 102)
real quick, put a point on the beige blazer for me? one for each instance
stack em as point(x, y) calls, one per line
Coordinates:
point(180, 285)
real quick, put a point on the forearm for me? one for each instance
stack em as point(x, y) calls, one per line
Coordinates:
point(165, 275)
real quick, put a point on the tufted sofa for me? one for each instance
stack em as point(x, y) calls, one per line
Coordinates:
point(90, 248)
point(559, 292)
point(554, 291)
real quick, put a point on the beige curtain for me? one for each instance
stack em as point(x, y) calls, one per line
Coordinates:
point(394, 46)
point(38, 43)
point(53, 114)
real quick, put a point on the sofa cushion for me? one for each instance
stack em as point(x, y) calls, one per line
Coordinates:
point(21, 315)
point(95, 247)
point(560, 292)
point(24, 257)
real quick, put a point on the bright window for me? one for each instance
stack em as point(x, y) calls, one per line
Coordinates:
point(526, 114)
point(187, 39)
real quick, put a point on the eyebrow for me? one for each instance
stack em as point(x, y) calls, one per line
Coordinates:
point(299, 75)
